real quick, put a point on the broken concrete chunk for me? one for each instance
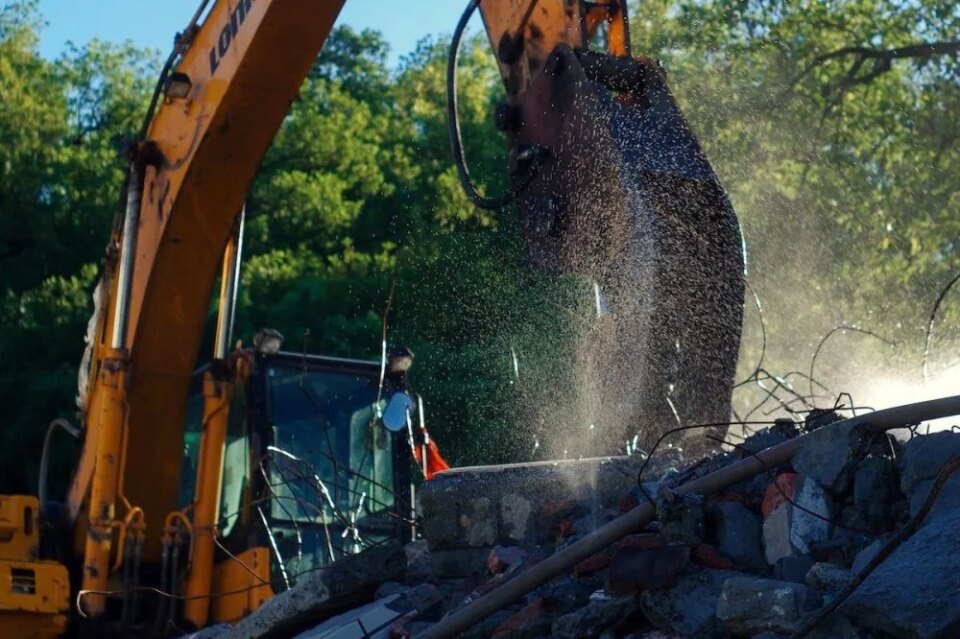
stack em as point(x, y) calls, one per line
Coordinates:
point(947, 501)
point(687, 609)
point(530, 622)
point(810, 518)
point(516, 516)
point(794, 528)
point(866, 555)
point(749, 606)
point(505, 559)
point(376, 620)
point(820, 417)
point(828, 579)
point(924, 456)
point(635, 570)
point(874, 492)
point(681, 517)
point(390, 588)
point(566, 594)
point(913, 594)
point(776, 534)
point(218, 631)
point(419, 562)
point(781, 431)
point(478, 521)
point(829, 454)
point(594, 618)
point(781, 490)
point(518, 503)
point(793, 569)
point(329, 590)
point(462, 562)
point(739, 533)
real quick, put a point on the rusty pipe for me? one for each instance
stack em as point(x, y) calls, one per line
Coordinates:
point(635, 519)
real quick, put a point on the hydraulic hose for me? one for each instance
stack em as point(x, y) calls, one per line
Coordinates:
point(45, 457)
point(453, 128)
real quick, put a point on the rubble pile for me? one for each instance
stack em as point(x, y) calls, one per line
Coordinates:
point(756, 560)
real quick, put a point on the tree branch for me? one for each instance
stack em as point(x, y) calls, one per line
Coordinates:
point(882, 58)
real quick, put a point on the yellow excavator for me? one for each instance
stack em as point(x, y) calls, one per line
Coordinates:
point(176, 516)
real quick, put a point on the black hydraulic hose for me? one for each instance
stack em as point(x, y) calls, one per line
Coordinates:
point(162, 604)
point(933, 318)
point(453, 128)
point(45, 458)
point(127, 551)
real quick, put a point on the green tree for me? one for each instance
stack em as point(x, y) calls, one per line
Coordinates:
point(838, 145)
point(62, 125)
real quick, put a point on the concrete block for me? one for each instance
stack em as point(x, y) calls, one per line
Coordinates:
point(749, 606)
point(739, 533)
point(829, 455)
point(914, 592)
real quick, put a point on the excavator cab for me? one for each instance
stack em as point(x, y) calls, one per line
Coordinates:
point(309, 473)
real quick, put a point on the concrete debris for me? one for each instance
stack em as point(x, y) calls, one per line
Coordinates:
point(830, 455)
point(689, 608)
point(776, 534)
point(593, 619)
point(794, 568)
point(875, 492)
point(866, 555)
point(419, 563)
point(322, 593)
point(505, 559)
point(681, 516)
point(739, 534)
point(810, 516)
point(754, 561)
point(948, 501)
point(635, 570)
point(749, 606)
point(923, 457)
point(828, 579)
point(781, 431)
point(921, 461)
point(378, 619)
point(913, 594)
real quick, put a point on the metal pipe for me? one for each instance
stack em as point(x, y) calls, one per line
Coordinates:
point(635, 519)
point(229, 278)
point(127, 255)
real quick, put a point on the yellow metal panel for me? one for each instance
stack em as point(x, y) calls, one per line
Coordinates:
point(25, 625)
point(246, 592)
point(551, 22)
point(34, 586)
point(18, 527)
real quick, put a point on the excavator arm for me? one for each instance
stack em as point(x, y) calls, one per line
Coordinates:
point(220, 103)
point(573, 121)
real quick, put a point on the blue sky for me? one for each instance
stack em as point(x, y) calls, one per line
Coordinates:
point(152, 23)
